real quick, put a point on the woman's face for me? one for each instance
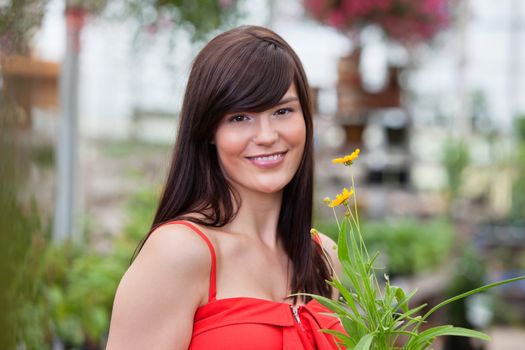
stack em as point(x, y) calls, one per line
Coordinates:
point(261, 151)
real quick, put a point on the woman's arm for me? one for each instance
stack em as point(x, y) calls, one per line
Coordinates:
point(331, 248)
point(157, 298)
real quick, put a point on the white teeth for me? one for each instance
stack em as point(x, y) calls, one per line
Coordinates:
point(268, 158)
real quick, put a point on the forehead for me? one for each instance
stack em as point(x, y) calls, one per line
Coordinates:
point(290, 93)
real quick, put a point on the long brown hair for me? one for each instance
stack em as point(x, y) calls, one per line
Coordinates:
point(248, 68)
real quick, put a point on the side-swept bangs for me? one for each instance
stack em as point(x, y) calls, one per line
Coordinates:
point(263, 75)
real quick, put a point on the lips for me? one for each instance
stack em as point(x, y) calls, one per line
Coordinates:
point(267, 160)
point(268, 157)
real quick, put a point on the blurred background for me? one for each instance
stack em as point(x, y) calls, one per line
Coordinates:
point(432, 91)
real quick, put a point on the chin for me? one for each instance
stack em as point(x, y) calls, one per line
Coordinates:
point(270, 188)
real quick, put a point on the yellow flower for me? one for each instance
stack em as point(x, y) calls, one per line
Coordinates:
point(347, 160)
point(341, 198)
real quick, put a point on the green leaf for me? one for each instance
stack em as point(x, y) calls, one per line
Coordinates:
point(473, 291)
point(432, 333)
point(410, 312)
point(346, 295)
point(356, 328)
point(345, 338)
point(401, 298)
point(342, 251)
point(333, 305)
point(365, 342)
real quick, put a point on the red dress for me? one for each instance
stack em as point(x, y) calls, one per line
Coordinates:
point(232, 323)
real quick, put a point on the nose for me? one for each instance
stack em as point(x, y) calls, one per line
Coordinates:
point(265, 133)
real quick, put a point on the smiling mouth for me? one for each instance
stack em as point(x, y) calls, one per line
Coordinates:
point(268, 158)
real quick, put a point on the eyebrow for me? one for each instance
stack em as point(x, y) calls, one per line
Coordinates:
point(287, 99)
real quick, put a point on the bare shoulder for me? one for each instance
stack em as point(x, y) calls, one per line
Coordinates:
point(176, 246)
point(175, 252)
point(160, 292)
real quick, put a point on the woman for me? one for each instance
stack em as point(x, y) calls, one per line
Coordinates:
point(231, 240)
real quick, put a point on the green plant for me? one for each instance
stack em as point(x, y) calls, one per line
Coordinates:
point(19, 20)
point(197, 17)
point(79, 292)
point(518, 194)
point(22, 240)
point(408, 246)
point(376, 317)
point(21, 250)
point(43, 155)
point(63, 291)
point(80, 284)
point(455, 158)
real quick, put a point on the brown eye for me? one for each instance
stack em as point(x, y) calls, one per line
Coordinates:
point(283, 111)
point(238, 118)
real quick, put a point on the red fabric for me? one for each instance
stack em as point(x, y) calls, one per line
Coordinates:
point(233, 323)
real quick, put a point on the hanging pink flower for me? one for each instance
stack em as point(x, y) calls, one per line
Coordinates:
point(406, 21)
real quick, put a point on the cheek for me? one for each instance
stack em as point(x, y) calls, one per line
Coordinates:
point(229, 144)
point(296, 134)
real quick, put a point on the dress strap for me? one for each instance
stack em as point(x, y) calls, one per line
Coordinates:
point(213, 288)
point(317, 239)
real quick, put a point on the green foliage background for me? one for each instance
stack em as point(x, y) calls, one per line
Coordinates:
point(407, 246)
point(19, 20)
point(63, 290)
point(81, 284)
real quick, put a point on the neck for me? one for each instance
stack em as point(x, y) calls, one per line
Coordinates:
point(258, 216)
